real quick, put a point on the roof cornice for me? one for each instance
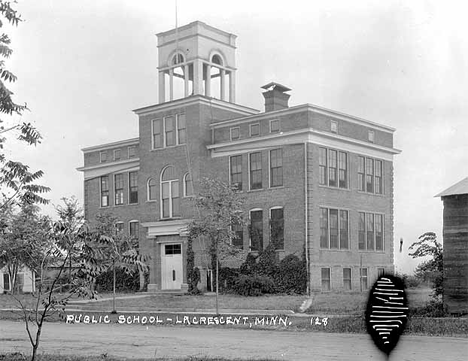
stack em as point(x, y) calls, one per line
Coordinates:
point(194, 99)
point(302, 108)
point(120, 143)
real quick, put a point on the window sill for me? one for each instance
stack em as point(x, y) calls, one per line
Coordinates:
point(334, 188)
point(336, 249)
point(151, 200)
point(169, 147)
point(372, 194)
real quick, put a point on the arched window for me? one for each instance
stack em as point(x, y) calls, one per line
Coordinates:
point(178, 59)
point(151, 189)
point(188, 185)
point(216, 59)
point(170, 199)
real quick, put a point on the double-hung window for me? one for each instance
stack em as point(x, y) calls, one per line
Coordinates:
point(256, 230)
point(169, 131)
point(235, 133)
point(105, 191)
point(370, 175)
point(238, 240)
point(371, 231)
point(170, 199)
point(276, 168)
point(188, 185)
point(334, 227)
point(256, 170)
point(132, 187)
point(347, 279)
point(119, 189)
point(134, 229)
point(235, 165)
point(326, 279)
point(333, 168)
point(277, 228)
point(151, 189)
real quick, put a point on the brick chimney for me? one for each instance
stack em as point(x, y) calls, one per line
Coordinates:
point(275, 96)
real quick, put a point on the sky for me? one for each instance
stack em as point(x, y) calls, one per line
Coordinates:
point(82, 67)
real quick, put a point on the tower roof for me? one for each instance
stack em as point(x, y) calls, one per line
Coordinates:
point(458, 188)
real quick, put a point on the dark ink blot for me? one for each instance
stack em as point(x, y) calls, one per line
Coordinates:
point(387, 312)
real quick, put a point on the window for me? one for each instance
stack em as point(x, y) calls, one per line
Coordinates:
point(133, 227)
point(326, 279)
point(343, 170)
point(379, 242)
point(362, 231)
point(172, 249)
point(170, 201)
point(274, 126)
point(276, 168)
point(169, 131)
point(181, 129)
point(277, 228)
point(333, 126)
point(323, 228)
point(363, 272)
point(254, 129)
point(378, 176)
point(131, 152)
point(256, 230)
point(105, 191)
point(157, 134)
point(370, 136)
point(151, 189)
point(323, 179)
point(6, 282)
point(344, 243)
point(347, 279)
point(370, 175)
point(361, 173)
point(235, 134)
point(256, 170)
point(371, 231)
point(117, 154)
point(334, 229)
point(188, 185)
point(119, 227)
point(238, 240)
point(380, 271)
point(132, 187)
point(119, 189)
point(236, 171)
point(333, 168)
point(103, 156)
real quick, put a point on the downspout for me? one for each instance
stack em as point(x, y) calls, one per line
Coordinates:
point(306, 215)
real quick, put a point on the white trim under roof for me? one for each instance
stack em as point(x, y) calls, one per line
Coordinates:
point(167, 228)
point(305, 107)
point(106, 146)
point(300, 137)
point(127, 165)
point(216, 103)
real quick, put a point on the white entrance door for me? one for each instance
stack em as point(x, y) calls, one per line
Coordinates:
point(171, 266)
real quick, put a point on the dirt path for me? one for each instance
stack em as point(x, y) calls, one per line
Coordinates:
point(136, 341)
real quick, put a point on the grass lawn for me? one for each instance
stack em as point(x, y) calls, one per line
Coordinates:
point(330, 302)
point(21, 357)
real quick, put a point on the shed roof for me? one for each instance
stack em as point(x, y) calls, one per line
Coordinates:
point(458, 188)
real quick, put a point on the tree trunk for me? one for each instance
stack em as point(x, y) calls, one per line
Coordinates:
point(217, 281)
point(113, 288)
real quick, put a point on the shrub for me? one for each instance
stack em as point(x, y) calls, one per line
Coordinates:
point(433, 308)
point(227, 278)
point(291, 276)
point(124, 282)
point(254, 285)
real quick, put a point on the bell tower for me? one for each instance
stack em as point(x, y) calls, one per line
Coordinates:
point(197, 59)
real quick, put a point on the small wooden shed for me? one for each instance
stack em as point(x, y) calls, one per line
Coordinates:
point(455, 236)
